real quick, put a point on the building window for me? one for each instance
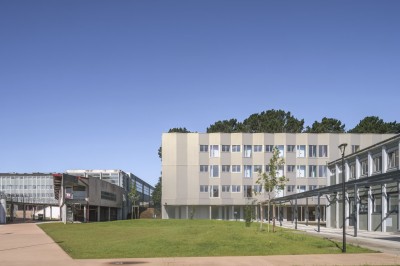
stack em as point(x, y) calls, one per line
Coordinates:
point(226, 188)
point(279, 172)
point(226, 148)
point(301, 171)
point(312, 187)
point(267, 168)
point(355, 148)
point(312, 151)
point(393, 203)
point(214, 150)
point(214, 191)
point(290, 148)
point(214, 170)
point(363, 204)
point(290, 168)
point(203, 148)
point(291, 188)
point(203, 168)
point(235, 168)
point(269, 148)
point(235, 188)
point(352, 171)
point(257, 168)
point(322, 171)
point(257, 188)
point(247, 151)
point(257, 148)
point(377, 164)
point(393, 159)
point(312, 171)
point(301, 151)
point(226, 168)
point(235, 148)
point(301, 189)
point(203, 188)
point(364, 168)
point(323, 151)
point(247, 191)
point(247, 171)
point(281, 150)
point(377, 203)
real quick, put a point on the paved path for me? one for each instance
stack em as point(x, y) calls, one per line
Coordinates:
point(28, 245)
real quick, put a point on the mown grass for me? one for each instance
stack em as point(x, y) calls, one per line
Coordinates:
point(183, 238)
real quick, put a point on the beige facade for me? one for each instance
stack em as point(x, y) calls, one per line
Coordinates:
point(213, 176)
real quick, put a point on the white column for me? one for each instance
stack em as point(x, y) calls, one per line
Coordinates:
point(384, 159)
point(357, 198)
point(232, 212)
point(210, 212)
point(337, 210)
point(347, 203)
point(187, 211)
point(370, 164)
point(384, 208)
point(369, 214)
point(398, 204)
point(84, 214)
point(98, 213)
point(358, 168)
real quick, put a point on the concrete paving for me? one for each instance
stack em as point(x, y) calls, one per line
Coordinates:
point(27, 244)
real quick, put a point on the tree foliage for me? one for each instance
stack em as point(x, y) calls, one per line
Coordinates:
point(273, 121)
point(133, 196)
point(272, 182)
point(373, 124)
point(327, 125)
point(157, 193)
point(225, 126)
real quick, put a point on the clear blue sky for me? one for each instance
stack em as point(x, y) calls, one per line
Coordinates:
point(93, 84)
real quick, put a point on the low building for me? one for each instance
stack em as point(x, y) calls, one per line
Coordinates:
point(372, 188)
point(88, 198)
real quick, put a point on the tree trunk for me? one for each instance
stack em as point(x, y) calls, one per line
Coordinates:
point(132, 213)
point(261, 216)
point(268, 214)
point(273, 221)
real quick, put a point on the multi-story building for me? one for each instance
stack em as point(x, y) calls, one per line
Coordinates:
point(33, 194)
point(213, 176)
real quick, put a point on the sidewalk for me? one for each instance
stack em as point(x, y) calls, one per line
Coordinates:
point(26, 244)
point(383, 242)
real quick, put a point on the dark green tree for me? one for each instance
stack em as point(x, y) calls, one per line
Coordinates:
point(327, 125)
point(172, 130)
point(133, 196)
point(225, 126)
point(273, 121)
point(156, 196)
point(373, 124)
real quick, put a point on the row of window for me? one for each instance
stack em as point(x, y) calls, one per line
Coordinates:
point(313, 150)
point(248, 190)
point(26, 186)
point(392, 163)
point(31, 195)
point(249, 170)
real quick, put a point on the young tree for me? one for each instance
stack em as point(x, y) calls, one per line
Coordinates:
point(272, 182)
point(133, 196)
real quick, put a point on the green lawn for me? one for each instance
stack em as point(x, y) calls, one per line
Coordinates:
point(183, 238)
